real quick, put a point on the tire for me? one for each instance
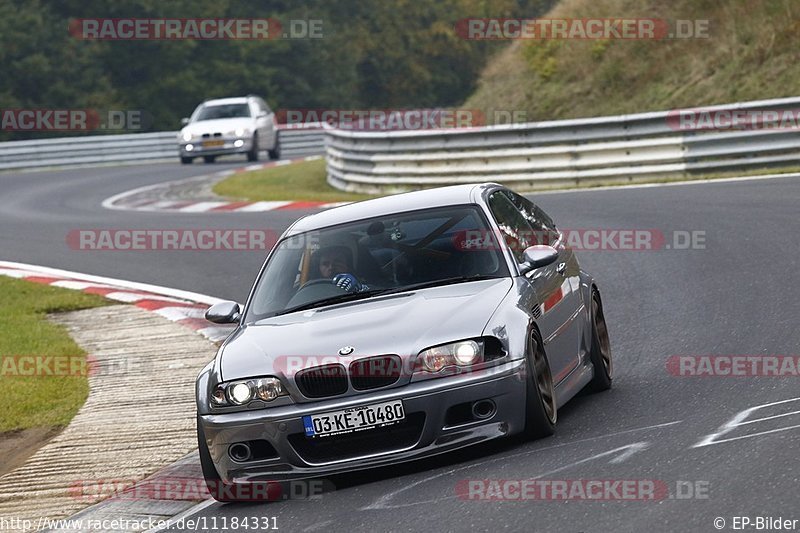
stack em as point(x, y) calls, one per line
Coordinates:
point(209, 158)
point(600, 353)
point(252, 155)
point(275, 153)
point(186, 160)
point(541, 412)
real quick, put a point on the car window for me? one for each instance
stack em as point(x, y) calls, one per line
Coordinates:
point(545, 231)
point(213, 112)
point(263, 105)
point(517, 232)
point(388, 252)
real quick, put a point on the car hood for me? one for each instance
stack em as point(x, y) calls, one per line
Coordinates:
point(221, 125)
point(402, 324)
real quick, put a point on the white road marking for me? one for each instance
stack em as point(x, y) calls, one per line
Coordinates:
point(740, 419)
point(186, 514)
point(261, 206)
point(179, 313)
point(36, 270)
point(383, 501)
point(78, 285)
point(317, 526)
point(665, 184)
point(201, 207)
point(627, 451)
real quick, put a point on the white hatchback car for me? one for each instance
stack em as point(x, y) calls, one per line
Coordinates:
point(239, 125)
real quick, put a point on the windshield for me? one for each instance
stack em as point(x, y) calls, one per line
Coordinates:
point(211, 112)
point(387, 254)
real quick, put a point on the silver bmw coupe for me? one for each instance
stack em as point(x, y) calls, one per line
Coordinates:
point(398, 328)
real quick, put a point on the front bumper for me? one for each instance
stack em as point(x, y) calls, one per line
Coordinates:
point(228, 147)
point(425, 431)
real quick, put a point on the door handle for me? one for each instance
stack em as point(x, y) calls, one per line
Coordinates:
point(561, 268)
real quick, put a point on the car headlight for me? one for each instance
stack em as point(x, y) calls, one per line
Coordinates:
point(243, 392)
point(462, 353)
point(186, 136)
point(241, 132)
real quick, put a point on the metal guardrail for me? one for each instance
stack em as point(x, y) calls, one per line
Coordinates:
point(625, 148)
point(131, 148)
point(301, 142)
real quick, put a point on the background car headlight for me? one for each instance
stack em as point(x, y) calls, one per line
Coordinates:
point(186, 136)
point(462, 353)
point(242, 392)
point(241, 132)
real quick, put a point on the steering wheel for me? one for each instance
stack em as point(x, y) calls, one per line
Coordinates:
point(315, 282)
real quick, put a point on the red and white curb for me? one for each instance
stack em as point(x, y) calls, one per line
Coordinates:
point(184, 307)
point(155, 197)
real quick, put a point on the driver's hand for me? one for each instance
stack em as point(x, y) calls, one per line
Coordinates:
point(349, 283)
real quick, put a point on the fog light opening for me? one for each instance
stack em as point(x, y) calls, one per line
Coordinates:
point(483, 409)
point(240, 452)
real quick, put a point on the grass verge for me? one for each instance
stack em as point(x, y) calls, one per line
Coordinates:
point(38, 400)
point(303, 181)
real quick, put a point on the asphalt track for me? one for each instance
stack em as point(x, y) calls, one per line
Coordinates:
point(736, 296)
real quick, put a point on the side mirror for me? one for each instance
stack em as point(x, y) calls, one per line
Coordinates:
point(538, 256)
point(262, 114)
point(224, 313)
point(184, 121)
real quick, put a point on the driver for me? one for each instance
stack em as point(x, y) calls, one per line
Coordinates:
point(335, 262)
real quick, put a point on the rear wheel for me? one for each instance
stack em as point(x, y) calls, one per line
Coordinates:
point(209, 158)
point(600, 353)
point(275, 153)
point(540, 405)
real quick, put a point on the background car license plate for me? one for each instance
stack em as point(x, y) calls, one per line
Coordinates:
point(212, 144)
point(354, 419)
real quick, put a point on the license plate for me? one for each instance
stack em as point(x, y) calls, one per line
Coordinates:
point(212, 144)
point(354, 419)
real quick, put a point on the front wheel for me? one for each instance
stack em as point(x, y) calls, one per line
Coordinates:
point(600, 353)
point(252, 155)
point(186, 160)
point(540, 393)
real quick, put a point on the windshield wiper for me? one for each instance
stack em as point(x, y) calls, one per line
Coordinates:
point(352, 296)
point(438, 283)
point(340, 298)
